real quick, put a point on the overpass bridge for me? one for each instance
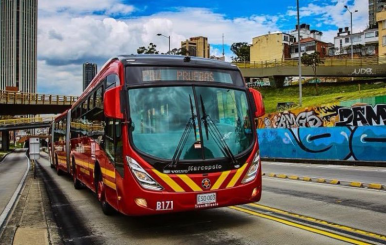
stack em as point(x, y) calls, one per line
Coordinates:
point(21, 124)
point(277, 70)
point(18, 103)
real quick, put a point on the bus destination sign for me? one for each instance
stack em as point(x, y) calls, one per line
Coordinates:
point(177, 75)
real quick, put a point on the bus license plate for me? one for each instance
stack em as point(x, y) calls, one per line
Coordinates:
point(206, 198)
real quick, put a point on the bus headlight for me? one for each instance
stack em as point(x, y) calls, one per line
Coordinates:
point(252, 171)
point(143, 178)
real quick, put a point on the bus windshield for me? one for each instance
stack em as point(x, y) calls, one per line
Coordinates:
point(198, 122)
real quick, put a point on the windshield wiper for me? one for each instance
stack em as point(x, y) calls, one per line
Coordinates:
point(184, 137)
point(211, 127)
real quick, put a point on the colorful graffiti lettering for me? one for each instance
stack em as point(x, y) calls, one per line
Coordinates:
point(362, 115)
point(366, 143)
point(330, 132)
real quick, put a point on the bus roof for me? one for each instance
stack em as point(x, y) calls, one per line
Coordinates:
point(174, 60)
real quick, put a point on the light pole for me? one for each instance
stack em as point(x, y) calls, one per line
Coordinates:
point(299, 58)
point(352, 52)
point(159, 34)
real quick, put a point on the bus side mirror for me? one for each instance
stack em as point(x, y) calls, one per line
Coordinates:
point(112, 103)
point(258, 99)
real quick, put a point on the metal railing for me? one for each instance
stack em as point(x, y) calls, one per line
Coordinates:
point(18, 121)
point(357, 61)
point(10, 97)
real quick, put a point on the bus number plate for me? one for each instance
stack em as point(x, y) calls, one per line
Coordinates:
point(206, 198)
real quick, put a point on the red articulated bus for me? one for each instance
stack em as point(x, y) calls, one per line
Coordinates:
point(156, 134)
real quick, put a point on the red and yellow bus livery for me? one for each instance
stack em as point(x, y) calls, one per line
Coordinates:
point(154, 134)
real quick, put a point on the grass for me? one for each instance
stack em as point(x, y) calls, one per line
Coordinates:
point(327, 93)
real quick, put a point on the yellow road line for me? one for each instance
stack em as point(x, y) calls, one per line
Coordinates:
point(323, 222)
point(301, 226)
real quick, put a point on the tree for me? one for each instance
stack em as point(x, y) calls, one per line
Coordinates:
point(151, 49)
point(312, 60)
point(178, 51)
point(242, 52)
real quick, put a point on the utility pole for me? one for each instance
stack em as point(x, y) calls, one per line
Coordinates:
point(299, 58)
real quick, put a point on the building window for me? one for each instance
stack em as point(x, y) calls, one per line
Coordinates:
point(347, 40)
point(384, 24)
point(370, 34)
point(286, 38)
point(384, 40)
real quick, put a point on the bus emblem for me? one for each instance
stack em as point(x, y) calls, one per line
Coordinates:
point(205, 183)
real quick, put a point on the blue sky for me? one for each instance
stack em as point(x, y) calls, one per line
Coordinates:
point(75, 31)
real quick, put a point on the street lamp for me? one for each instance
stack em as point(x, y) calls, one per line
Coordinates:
point(159, 34)
point(352, 52)
point(299, 58)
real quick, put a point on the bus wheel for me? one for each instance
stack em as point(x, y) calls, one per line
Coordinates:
point(77, 183)
point(106, 208)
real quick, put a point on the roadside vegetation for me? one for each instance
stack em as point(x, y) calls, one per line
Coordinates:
point(327, 93)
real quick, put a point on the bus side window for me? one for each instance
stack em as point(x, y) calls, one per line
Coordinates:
point(109, 139)
point(113, 143)
point(118, 147)
point(112, 81)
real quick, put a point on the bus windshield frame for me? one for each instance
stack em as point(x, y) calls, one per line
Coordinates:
point(190, 122)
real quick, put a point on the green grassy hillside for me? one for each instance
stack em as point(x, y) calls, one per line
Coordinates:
point(327, 93)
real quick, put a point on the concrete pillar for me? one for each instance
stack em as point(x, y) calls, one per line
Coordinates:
point(277, 81)
point(5, 140)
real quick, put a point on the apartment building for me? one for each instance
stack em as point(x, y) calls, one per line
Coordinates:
point(364, 43)
point(197, 46)
point(381, 20)
point(272, 46)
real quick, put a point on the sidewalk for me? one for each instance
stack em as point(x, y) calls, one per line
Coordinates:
point(31, 221)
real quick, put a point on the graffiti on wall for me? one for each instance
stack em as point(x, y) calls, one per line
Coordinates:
point(329, 132)
point(362, 115)
point(326, 116)
point(365, 143)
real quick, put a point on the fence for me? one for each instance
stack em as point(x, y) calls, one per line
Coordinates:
point(357, 61)
point(10, 97)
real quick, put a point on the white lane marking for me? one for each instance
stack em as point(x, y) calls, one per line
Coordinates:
point(8, 208)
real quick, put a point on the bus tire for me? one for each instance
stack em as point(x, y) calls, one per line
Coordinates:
point(77, 183)
point(100, 191)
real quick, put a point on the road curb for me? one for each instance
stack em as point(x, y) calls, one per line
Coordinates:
point(355, 184)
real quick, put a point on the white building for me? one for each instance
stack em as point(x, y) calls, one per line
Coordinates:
point(364, 43)
point(305, 32)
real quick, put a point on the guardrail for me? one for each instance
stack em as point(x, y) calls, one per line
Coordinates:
point(17, 121)
point(357, 61)
point(10, 97)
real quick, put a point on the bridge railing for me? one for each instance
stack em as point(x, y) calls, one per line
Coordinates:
point(357, 61)
point(17, 121)
point(10, 97)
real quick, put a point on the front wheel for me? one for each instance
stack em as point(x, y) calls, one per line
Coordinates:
point(100, 191)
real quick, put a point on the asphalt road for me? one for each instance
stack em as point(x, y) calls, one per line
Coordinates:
point(340, 172)
point(82, 221)
point(12, 170)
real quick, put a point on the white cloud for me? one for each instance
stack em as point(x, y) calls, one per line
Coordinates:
point(74, 31)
